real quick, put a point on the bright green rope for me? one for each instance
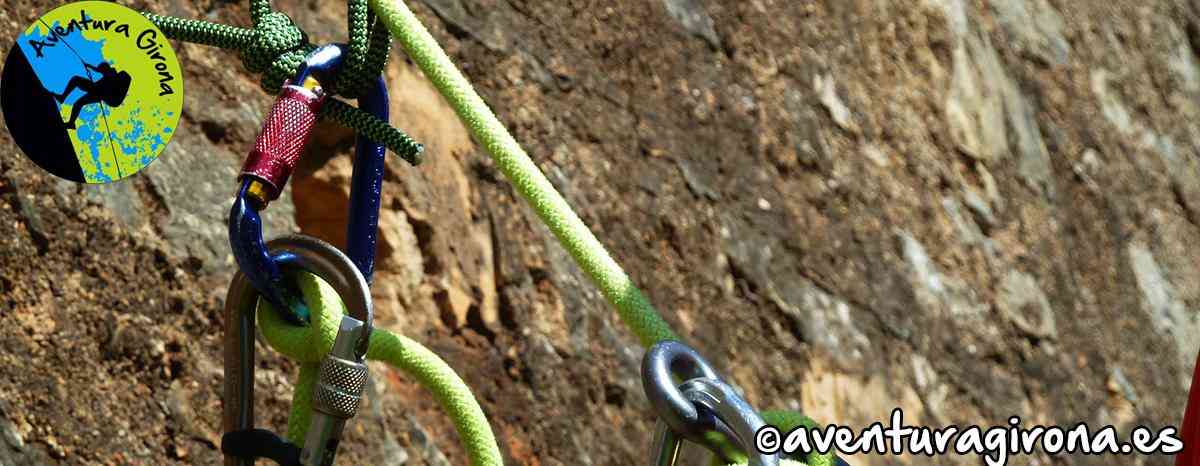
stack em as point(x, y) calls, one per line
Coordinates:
point(310, 343)
point(637, 313)
point(635, 310)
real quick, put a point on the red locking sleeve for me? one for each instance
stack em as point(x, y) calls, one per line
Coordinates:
point(283, 137)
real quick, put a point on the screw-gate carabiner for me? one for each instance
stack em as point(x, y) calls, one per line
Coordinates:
point(271, 161)
point(296, 252)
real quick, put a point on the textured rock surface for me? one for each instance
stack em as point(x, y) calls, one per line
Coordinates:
point(968, 209)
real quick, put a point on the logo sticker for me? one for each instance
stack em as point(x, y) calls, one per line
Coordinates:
point(92, 92)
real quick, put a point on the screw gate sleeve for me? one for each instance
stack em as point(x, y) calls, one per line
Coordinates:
point(283, 137)
point(343, 374)
point(336, 394)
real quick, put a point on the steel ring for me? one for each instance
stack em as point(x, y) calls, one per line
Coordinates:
point(301, 252)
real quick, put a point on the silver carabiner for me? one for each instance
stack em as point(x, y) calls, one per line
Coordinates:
point(720, 399)
point(701, 404)
point(663, 364)
point(296, 252)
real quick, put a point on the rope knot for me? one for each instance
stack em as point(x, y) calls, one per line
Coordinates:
point(276, 49)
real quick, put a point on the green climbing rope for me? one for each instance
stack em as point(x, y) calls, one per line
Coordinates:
point(635, 310)
point(374, 129)
point(310, 343)
point(355, 66)
point(275, 47)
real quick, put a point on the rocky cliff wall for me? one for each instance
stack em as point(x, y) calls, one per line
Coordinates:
point(969, 209)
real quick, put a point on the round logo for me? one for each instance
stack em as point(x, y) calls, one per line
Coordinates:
point(92, 92)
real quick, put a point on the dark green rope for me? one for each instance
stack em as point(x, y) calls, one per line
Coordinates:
point(373, 128)
point(358, 19)
point(259, 9)
point(275, 48)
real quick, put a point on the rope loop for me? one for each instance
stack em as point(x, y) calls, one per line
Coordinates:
point(309, 344)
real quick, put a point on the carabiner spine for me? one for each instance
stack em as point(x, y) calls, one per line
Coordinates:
point(238, 410)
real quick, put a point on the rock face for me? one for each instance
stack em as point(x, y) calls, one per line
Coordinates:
point(967, 209)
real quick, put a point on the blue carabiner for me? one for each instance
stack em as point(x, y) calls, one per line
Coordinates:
point(245, 224)
point(250, 252)
point(366, 185)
